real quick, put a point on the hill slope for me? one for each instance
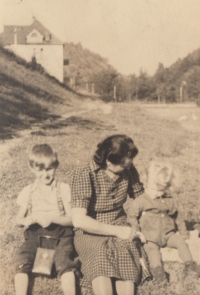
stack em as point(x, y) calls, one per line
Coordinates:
point(28, 96)
point(83, 64)
point(184, 72)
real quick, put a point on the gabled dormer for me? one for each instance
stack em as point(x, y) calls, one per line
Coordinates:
point(34, 37)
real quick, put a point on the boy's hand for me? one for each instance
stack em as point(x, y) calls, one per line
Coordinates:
point(28, 221)
point(44, 221)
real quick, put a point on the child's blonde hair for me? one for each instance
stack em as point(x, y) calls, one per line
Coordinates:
point(40, 152)
point(161, 171)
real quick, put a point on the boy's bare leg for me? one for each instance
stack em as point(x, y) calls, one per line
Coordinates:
point(102, 286)
point(68, 283)
point(125, 287)
point(21, 284)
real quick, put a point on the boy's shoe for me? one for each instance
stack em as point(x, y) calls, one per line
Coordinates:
point(159, 276)
point(191, 268)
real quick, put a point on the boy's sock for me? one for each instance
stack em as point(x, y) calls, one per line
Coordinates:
point(159, 275)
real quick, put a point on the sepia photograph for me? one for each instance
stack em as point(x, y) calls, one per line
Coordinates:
point(100, 147)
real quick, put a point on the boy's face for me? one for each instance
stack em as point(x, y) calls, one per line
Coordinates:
point(159, 177)
point(44, 172)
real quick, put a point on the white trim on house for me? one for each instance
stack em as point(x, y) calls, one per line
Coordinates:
point(34, 37)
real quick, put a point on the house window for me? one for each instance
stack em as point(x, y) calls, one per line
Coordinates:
point(34, 35)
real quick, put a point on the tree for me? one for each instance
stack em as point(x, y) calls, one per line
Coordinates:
point(104, 81)
point(145, 86)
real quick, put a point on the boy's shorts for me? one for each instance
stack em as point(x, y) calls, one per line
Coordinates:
point(64, 254)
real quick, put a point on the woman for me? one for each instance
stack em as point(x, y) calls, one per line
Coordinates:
point(109, 254)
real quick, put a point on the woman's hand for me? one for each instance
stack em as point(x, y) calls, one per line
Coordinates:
point(123, 232)
point(128, 233)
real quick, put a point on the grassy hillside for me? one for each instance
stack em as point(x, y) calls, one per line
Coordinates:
point(184, 72)
point(83, 63)
point(28, 96)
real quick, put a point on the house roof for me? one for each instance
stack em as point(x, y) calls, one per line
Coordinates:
point(7, 37)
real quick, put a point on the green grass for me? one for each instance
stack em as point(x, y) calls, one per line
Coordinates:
point(75, 138)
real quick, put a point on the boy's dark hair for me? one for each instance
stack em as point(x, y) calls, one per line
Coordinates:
point(41, 151)
point(115, 149)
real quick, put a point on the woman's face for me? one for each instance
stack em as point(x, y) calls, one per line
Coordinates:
point(119, 168)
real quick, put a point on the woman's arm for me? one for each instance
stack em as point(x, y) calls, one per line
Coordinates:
point(133, 211)
point(81, 220)
point(135, 188)
point(62, 220)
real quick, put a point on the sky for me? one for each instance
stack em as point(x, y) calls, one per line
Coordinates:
point(133, 35)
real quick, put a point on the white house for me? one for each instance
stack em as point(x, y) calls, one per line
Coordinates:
point(35, 41)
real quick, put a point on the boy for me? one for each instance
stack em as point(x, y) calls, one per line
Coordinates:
point(45, 209)
point(155, 214)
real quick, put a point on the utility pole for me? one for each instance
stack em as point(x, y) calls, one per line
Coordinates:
point(114, 95)
point(92, 88)
point(183, 84)
point(136, 93)
point(181, 93)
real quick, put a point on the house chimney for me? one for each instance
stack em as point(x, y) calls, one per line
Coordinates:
point(15, 37)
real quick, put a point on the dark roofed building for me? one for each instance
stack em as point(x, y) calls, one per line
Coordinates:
point(35, 42)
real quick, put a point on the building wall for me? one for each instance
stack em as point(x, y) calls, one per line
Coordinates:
point(49, 56)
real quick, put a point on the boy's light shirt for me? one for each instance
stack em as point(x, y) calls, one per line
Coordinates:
point(44, 202)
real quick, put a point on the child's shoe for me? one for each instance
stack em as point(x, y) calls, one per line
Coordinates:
point(191, 268)
point(159, 276)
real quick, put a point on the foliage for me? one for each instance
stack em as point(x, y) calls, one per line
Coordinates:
point(83, 64)
point(183, 76)
point(166, 85)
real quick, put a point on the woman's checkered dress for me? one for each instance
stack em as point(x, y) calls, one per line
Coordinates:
point(104, 197)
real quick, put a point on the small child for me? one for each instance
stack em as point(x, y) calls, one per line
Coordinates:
point(155, 214)
point(45, 209)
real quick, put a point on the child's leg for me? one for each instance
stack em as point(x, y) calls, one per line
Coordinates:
point(23, 262)
point(65, 262)
point(21, 284)
point(155, 259)
point(68, 283)
point(153, 253)
point(125, 287)
point(178, 242)
point(191, 267)
point(102, 286)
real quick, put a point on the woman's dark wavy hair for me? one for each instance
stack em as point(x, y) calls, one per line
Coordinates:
point(115, 149)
